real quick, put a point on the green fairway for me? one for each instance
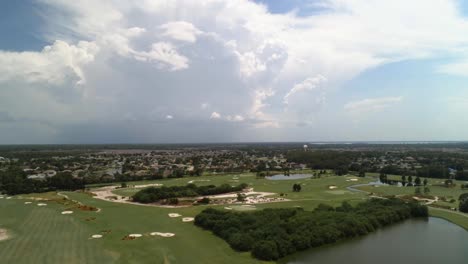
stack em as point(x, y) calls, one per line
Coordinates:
point(49, 236)
point(44, 235)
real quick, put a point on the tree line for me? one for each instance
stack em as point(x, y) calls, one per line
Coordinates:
point(14, 181)
point(157, 194)
point(271, 234)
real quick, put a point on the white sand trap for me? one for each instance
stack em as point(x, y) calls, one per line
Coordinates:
point(162, 234)
point(354, 180)
point(174, 215)
point(27, 202)
point(338, 192)
point(188, 219)
point(3, 234)
point(1, 197)
point(8, 198)
point(67, 212)
point(41, 204)
point(135, 235)
point(228, 208)
point(96, 236)
point(332, 187)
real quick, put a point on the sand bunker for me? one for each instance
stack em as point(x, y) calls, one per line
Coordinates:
point(8, 198)
point(27, 202)
point(162, 234)
point(1, 197)
point(198, 181)
point(188, 219)
point(96, 236)
point(135, 235)
point(228, 208)
point(3, 234)
point(67, 212)
point(174, 215)
point(41, 204)
point(331, 187)
point(148, 185)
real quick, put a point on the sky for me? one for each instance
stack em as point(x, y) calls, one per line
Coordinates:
point(182, 71)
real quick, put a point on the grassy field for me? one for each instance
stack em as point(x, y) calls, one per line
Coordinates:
point(44, 235)
point(435, 190)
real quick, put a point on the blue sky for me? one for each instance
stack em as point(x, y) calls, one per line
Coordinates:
point(231, 71)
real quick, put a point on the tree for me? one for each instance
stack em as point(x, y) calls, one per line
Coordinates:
point(463, 207)
point(448, 183)
point(417, 181)
point(410, 180)
point(265, 250)
point(383, 177)
point(427, 190)
point(297, 187)
point(240, 197)
point(403, 180)
point(425, 182)
point(417, 190)
point(123, 185)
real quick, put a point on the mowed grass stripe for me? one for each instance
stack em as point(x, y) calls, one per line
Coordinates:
point(19, 241)
point(44, 235)
point(21, 247)
point(35, 237)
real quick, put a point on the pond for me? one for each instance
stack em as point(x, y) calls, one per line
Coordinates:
point(290, 177)
point(431, 241)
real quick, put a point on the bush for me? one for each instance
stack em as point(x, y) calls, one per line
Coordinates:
point(265, 250)
point(204, 200)
point(153, 194)
point(274, 233)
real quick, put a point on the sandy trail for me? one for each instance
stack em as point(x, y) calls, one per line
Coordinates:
point(234, 195)
point(106, 194)
point(3, 234)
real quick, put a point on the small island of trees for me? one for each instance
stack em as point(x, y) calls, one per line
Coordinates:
point(157, 194)
point(271, 234)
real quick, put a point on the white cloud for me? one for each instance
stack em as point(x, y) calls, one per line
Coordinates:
point(166, 55)
point(54, 64)
point(371, 105)
point(455, 68)
point(181, 30)
point(215, 115)
point(309, 84)
point(243, 60)
point(169, 117)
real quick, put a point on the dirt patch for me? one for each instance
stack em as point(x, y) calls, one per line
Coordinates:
point(131, 237)
point(87, 208)
point(3, 234)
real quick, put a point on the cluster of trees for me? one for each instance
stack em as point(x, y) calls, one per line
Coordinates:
point(297, 187)
point(405, 180)
point(323, 159)
point(14, 181)
point(153, 194)
point(463, 207)
point(271, 234)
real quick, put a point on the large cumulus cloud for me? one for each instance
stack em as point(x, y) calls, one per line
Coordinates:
point(200, 70)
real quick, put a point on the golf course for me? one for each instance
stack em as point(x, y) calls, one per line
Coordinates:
point(61, 227)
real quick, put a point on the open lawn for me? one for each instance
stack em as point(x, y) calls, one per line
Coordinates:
point(43, 234)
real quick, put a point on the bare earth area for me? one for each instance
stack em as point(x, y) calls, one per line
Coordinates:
point(106, 194)
point(3, 234)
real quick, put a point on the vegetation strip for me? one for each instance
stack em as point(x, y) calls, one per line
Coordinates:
point(271, 234)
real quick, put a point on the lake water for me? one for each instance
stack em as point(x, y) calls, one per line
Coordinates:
point(432, 241)
point(290, 177)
